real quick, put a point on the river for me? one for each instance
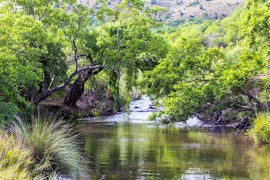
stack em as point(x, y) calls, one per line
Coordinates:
point(131, 147)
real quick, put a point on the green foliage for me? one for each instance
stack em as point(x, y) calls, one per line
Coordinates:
point(44, 42)
point(28, 56)
point(261, 128)
point(19, 68)
point(198, 71)
point(200, 62)
point(128, 46)
point(184, 80)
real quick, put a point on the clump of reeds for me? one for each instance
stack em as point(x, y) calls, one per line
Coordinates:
point(53, 146)
point(16, 160)
point(39, 150)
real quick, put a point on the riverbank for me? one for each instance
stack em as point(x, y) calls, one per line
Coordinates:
point(91, 106)
point(87, 106)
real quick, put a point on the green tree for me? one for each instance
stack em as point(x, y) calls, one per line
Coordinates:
point(196, 77)
point(22, 42)
point(54, 42)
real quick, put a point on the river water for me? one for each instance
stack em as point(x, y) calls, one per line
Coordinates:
point(131, 147)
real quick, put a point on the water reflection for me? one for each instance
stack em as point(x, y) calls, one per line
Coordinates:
point(147, 151)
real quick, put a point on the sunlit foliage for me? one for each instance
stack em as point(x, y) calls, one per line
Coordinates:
point(45, 44)
point(261, 130)
point(215, 66)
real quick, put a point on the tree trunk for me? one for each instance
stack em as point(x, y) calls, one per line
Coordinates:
point(91, 70)
point(77, 88)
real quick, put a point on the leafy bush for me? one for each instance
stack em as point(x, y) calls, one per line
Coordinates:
point(53, 146)
point(261, 130)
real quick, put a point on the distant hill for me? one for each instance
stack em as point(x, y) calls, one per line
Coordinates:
point(183, 9)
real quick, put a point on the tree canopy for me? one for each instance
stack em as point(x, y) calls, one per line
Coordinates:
point(214, 67)
point(227, 74)
point(46, 45)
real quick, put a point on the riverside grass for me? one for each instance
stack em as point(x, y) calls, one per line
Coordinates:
point(54, 147)
point(41, 149)
point(260, 132)
point(16, 161)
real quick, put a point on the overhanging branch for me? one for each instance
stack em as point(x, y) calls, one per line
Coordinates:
point(260, 105)
point(63, 85)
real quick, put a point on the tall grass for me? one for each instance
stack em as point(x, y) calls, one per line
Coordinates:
point(16, 161)
point(261, 128)
point(53, 146)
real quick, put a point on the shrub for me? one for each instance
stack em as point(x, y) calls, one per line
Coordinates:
point(53, 146)
point(261, 128)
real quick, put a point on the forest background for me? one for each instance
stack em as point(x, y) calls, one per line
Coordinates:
point(210, 64)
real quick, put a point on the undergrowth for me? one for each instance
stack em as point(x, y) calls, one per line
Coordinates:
point(261, 128)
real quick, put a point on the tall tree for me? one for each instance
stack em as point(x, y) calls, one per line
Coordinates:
point(23, 43)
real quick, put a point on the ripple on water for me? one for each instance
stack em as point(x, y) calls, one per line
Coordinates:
point(196, 174)
point(133, 117)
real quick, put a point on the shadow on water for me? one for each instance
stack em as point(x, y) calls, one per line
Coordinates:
point(134, 148)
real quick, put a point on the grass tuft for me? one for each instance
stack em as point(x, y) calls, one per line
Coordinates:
point(54, 147)
point(16, 160)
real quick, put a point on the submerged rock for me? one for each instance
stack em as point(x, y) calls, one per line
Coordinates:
point(144, 104)
point(191, 122)
point(194, 121)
